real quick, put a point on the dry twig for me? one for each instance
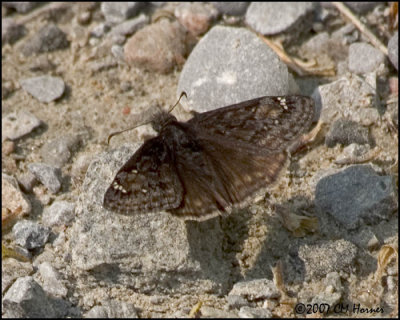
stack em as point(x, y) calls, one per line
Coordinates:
point(360, 26)
point(301, 67)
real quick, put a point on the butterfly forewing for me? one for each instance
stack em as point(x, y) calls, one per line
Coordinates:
point(212, 163)
point(272, 123)
point(146, 183)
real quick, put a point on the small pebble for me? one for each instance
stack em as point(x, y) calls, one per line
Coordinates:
point(346, 132)
point(58, 152)
point(231, 8)
point(117, 12)
point(156, 300)
point(52, 280)
point(47, 39)
point(270, 18)
point(100, 30)
point(11, 32)
point(59, 213)
point(12, 197)
point(27, 299)
point(236, 302)
point(256, 289)
point(118, 52)
point(327, 256)
point(364, 58)
point(113, 309)
point(41, 194)
point(16, 125)
point(158, 47)
point(13, 269)
point(27, 181)
point(129, 27)
point(7, 147)
point(49, 176)
point(44, 88)
point(30, 234)
point(196, 17)
point(42, 64)
point(248, 312)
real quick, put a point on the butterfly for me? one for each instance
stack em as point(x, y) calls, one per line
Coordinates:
point(212, 163)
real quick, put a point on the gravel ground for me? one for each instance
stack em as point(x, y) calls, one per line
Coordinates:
point(322, 239)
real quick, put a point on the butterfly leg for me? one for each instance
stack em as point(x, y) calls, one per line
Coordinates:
point(306, 139)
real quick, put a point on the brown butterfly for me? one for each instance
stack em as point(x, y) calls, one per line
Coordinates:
point(213, 162)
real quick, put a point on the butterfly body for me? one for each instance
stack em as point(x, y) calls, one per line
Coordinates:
point(212, 163)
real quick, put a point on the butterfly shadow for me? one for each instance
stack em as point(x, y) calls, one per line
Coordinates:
point(281, 244)
point(215, 243)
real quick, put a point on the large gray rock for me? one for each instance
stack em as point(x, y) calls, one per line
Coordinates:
point(150, 252)
point(356, 194)
point(230, 65)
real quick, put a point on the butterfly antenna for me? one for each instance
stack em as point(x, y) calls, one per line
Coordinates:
point(118, 132)
point(142, 124)
point(180, 97)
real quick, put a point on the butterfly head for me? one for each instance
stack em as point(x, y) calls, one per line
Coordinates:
point(161, 119)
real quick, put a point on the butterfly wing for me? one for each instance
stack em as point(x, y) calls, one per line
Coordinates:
point(224, 177)
point(241, 172)
point(242, 148)
point(212, 163)
point(267, 124)
point(202, 199)
point(146, 183)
